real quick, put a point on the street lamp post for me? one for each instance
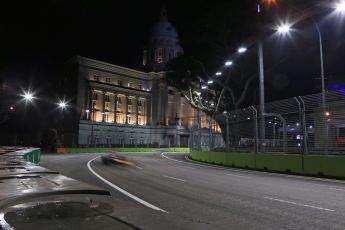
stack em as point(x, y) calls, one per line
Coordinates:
point(262, 96)
point(62, 105)
point(227, 116)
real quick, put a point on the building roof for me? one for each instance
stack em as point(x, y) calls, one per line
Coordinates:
point(163, 28)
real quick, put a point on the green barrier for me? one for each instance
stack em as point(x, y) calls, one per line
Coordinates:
point(325, 165)
point(328, 166)
point(33, 156)
point(107, 150)
point(279, 162)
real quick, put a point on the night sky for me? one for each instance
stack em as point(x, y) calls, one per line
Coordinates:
point(38, 37)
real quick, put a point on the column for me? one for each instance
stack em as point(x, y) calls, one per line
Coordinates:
point(89, 104)
point(137, 106)
point(127, 98)
point(149, 112)
point(115, 108)
point(103, 105)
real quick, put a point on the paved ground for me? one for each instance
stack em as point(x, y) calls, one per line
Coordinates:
point(214, 197)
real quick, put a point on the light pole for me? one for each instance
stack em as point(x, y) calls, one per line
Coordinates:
point(262, 96)
point(62, 105)
point(227, 116)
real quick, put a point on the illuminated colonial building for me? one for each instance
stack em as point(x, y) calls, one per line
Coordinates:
point(121, 106)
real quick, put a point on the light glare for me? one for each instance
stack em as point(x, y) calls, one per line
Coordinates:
point(340, 7)
point(242, 49)
point(28, 96)
point(284, 28)
point(228, 63)
point(62, 104)
point(218, 73)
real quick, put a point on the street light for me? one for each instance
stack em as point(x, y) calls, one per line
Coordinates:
point(340, 7)
point(228, 63)
point(284, 28)
point(62, 105)
point(28, 96)
point(242, 49)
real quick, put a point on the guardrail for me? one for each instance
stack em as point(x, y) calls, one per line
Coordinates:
point(33, 155)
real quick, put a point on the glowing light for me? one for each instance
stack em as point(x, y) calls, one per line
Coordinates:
point(62, 104)
point(327, 114)
point(204, 87)
point(218, 73)
point(242, 49)
point(340, 7)
point(297, 124)
point(228, 63)
point(284, 28)
point(11, 108)
point(28, 96)
point(210, 82)
point(87, 111)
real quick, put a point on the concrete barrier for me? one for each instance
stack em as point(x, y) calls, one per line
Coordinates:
point(327, 166)
point(107, 150)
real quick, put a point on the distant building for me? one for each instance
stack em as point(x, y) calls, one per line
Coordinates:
point(121, 106)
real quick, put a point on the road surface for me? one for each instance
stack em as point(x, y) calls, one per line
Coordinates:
point(216, 197)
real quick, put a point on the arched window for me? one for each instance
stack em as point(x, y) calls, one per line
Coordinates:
point(159, 55)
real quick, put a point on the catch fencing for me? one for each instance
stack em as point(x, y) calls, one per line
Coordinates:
point(301, 125)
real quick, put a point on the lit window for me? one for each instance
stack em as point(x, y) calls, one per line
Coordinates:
point(107, 80)
point(119, 101)
point(96, 78)
point(107, 98)
point(95, 96)
point(159, 55)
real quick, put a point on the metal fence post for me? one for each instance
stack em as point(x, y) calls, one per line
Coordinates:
point(256, 134)
point(304, 125)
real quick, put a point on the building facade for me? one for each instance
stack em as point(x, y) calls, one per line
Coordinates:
point(120, 106)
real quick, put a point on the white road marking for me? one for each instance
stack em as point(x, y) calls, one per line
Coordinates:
point(141, 201)
point(174, 178)
point(337, 189)
point(297, 204)
point(234, 175)
point(138, 167)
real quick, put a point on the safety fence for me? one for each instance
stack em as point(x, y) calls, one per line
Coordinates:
point(311, 124)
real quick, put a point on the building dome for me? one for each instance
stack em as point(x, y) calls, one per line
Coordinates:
point(163, 45)
point(163, 28)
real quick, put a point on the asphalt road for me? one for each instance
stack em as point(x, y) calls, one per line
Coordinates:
point(215, 197)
